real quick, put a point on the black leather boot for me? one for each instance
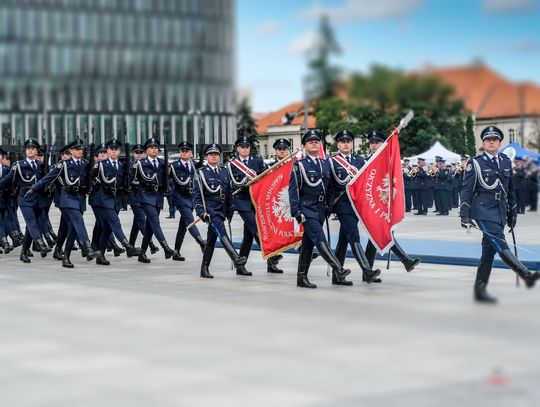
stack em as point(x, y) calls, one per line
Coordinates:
point(101, 260)
point(368, 274)
point(4, 244)
point(58, 254)
point(200, 241)
point(513, 262)
point(177, 256)
point(271, 265)
point(49, 239)
point(88, 250)
point(481, 294)
point(207, 257)
point(153, 248)
point(53, 235)
point(15, 238)
point(242, 271)
point(168, 251)
point(231, 252)
point(142, 258)
point(328, 255)
point(340, 253)
point(130, 249)
point(42, 247)
point(66, 262)
point(117, 250)
point(24, 254)
point(408, 262)
point(304, 260)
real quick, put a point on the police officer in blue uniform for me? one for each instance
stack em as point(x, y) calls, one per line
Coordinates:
point(23, 176)
point(63, 228)
point(420, 182)
point(182, 175)
point(4, 205)
point(281, 148)
point(489, 198)
point(407, 184)
point(376, 139)
point(344, 165)
point(150, 176)
point(212, 198)
point(242, 168)
point(139, 218)
point(310, 203)
point(441, 178)
point(73, 176)
point(108, 186)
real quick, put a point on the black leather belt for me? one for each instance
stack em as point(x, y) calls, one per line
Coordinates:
point(151, 187)
point(491, 195)
point(320, 198)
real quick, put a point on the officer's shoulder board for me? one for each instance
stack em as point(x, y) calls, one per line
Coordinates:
point(504, 155)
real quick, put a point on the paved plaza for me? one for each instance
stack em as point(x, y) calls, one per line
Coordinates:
point(158, 335)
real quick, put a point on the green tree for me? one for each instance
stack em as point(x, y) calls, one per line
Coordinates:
point(245, 124)
point(323, 76)
point(377, 100)
point(469, 136)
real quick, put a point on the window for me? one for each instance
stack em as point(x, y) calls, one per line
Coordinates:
point(512, 135)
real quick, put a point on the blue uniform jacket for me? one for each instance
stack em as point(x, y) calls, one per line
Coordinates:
point(23, 177)
point(182, 183)
point(73, 181)
point(213, 192)
point(339, 180)
point(488, 192)
point(308, 188)
point(242, 200)
point(107, 185)
point(150, 181)
point(5, 194)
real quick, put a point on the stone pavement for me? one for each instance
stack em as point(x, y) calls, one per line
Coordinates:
point(158, 335)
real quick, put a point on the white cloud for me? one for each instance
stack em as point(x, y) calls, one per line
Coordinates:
point(305, 43)
point(357, 10)
point(267, 27)
point(508, 6)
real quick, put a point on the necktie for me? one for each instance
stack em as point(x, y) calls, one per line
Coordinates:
point(114, 165)
point(216, 172)
point(78, 163)
point(187, 166)
point(494, 159)
point(34, 165)
point(245, 162)
point(155, 163)
point(348, 159)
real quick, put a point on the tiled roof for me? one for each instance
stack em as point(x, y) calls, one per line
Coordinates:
point(274, 118)
point(487, 94)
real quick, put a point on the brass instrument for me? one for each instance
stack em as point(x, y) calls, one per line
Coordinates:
point(413, 171)
point(432, 171)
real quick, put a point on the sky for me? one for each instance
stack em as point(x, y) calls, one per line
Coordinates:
point(273, 38)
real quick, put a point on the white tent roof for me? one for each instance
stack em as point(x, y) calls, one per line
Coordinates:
point(437, 149)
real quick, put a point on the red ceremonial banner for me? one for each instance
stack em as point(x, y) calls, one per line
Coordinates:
point(377, 194)
point(270, 196)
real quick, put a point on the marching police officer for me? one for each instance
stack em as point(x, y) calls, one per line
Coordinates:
point(310, 205)
point(23, 176)
point(376, 139)
point(489, 198)
point(182, 174)
point(109, 183)
point(4, 205)
point(242, 169)
point(73, 176)
point(150, 174)
point(213, 202)
point(63, 228)
point(344, 166)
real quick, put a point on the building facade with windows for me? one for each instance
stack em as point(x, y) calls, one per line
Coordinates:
point(124, 69)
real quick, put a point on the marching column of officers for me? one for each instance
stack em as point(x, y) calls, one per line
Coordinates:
point(317, 188)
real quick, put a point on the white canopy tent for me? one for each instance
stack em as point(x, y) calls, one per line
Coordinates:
point(437, 149)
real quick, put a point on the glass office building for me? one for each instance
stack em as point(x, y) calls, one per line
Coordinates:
point(124, 69)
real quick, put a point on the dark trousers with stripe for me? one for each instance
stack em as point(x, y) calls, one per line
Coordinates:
point(493, 242)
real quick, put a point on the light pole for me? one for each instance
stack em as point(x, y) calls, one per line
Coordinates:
point(196, 137)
